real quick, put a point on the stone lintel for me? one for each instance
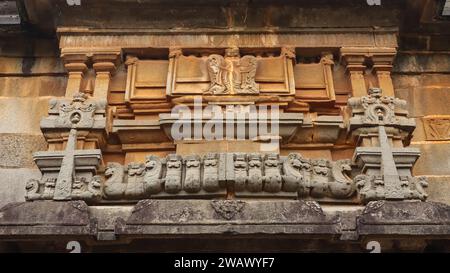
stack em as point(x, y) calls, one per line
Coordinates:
point(149, 218)
point(39, 218)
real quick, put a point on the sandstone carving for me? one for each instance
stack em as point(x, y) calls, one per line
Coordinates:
point(219, 70)
point(232, 76)
point(244, 76)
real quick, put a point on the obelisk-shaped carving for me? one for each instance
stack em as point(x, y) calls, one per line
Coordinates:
point(63, 187)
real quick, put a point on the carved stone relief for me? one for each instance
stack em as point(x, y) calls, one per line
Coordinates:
point(437, 127)
point(386, 170)
point(266, 175)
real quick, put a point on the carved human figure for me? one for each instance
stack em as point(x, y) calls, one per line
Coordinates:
point(244, 75)
point(192, 181)
point(341, 185)
point(240, 171)
point(210, 172)
point(152, 177)
point(114, 187)
point(319, 180)
point(254, 182)
point(172, 181)
point(292, 176)
point(272, 175)
point(218, 69)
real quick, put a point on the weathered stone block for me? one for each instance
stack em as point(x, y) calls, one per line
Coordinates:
point(17, 149)
point(409, 218)
point(227, 216)
point(46, 218)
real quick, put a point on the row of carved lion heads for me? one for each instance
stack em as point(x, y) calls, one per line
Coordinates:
point(212, 174)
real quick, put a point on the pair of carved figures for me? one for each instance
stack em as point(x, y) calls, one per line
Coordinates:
point(270, 173)
point(226, 75)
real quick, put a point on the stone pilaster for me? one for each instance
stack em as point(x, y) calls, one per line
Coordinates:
point(105, 65)
point(75, 64)
point(354, 61)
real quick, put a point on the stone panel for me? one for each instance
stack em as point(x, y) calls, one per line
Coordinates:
point(434, 159)
point(439, 189)
point(17, 149)
point(426, 101)
point(22, 115)
point(32, 86)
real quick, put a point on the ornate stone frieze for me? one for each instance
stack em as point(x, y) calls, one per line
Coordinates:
point(214, 174)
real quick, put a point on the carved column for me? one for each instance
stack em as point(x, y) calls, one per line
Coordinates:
point(75, 64)
point(355, 66)
point(104, 65)
point(382, 64)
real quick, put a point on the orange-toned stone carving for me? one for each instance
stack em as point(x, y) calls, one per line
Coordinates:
point(437, 127)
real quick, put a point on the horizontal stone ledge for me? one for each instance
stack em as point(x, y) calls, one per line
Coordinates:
point(250, 40)
point(184, 218)
point(46, 218)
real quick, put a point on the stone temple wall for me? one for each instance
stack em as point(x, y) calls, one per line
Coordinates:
point(31, 72)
